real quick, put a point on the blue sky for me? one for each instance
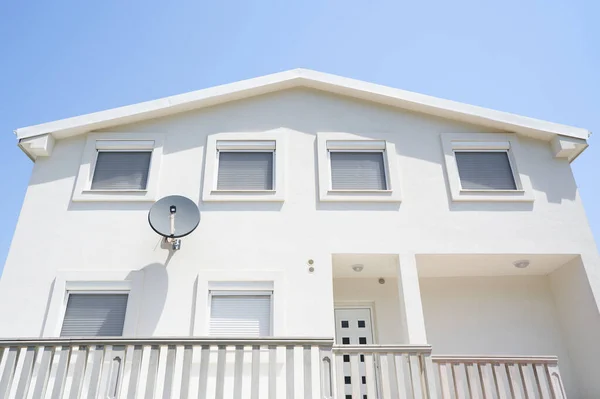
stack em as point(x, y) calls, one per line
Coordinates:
point(61, 59)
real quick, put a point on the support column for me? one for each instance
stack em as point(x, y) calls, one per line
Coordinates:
point(409, 293)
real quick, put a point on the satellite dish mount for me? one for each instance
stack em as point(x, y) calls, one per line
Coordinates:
point(175, 242)
point(174, 217)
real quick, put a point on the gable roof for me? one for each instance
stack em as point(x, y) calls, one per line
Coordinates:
point(299, 78)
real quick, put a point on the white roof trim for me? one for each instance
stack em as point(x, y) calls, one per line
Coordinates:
point(302, 78)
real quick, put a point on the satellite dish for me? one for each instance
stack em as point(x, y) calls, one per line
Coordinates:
point(174, 217)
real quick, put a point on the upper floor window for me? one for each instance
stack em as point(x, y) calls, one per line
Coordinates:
point(352, 168)
point(94, 315)
point(357, 170)
point(483, 167)
point(246, 166)
point(119, 167)
point(121, 170)
point(485, 170)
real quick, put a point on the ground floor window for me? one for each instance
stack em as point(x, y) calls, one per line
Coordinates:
point(240, 313)
point(94, 315)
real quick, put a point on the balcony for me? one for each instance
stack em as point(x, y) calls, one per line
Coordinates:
point(261, 368)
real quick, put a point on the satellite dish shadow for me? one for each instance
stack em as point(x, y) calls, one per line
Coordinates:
point(153, 297)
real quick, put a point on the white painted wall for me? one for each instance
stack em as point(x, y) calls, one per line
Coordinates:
point(579, 322)
point(54, 233)
point(495, 316)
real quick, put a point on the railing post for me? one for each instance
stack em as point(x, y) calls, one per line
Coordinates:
point(430, 382)
point(558, 390)
point(326, 357)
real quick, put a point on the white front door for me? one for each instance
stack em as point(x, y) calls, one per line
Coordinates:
point(353, 326)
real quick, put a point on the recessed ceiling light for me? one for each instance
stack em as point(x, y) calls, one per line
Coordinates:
point(358, 267)
point(521, 264)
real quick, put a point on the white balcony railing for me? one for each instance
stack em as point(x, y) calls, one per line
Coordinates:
point(384, 371)
point(267, 368)
point(163, 368)
point(499, 377)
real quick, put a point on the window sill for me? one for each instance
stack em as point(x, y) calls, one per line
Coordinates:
point(493, 196)
point(361, 196)
point(91, 191)
point(490, 191)
point(243, 196)
point(359, 191)
point(114, 195)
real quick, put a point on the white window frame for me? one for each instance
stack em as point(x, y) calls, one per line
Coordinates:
point(485, 142)
point(344, 142)
point(99, 282)
point(117, 142)
point(245, 142)
point(241, 289)
point(245, 280)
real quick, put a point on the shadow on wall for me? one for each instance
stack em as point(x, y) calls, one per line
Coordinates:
point(45, 319)
point(152, 298)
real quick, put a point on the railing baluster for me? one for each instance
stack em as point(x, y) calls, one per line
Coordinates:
point(160, 370)
point(403, 376)
point(7, 369)
point(169, 383)
point(355, 382)
point(23, 373)
point(339, 376)
point(41, 381)
point(385, 377)
point(370, 375)
point(164, 379)
point(415, 372)
point(274, 382)
point(105, 367)
point(143, 376)
point(126, 371)
point(200, 361)
point(58, 374)
point(176, 391)
point(151, 377)
point(220, 382)
point(75, 370)
point(460, 380)
point(474, 381)
point(306, 362)
point(446, 380)
point(543, 383)
point(431, 379)
point(255, 373)
point(516, 382)
point(238, 372)
point(136, 371)
point(289, 372)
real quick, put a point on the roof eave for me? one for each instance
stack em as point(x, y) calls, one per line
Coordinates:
point(302, 78)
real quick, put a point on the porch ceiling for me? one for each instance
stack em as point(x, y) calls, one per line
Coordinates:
point(374, 265)
point(449, 265)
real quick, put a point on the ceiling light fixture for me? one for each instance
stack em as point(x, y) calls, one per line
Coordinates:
point(521, 264)
point(358, 267)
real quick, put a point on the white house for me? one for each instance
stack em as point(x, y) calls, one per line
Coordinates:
point(356, 241)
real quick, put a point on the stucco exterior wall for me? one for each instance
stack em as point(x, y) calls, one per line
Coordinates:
point(508, 315)
point(579, 322)
point(55, 234)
